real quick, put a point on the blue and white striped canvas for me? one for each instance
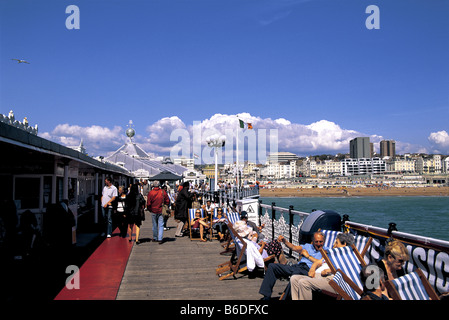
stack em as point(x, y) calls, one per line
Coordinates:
point(410, 287)
point(360, 242)
point(345, 259)
point(338, 279)
point(224, 212)
point(192, 213)
point(233, 217)
point(330, 236)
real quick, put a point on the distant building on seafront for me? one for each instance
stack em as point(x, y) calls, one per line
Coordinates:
point(362, 166)
point(281, 157)
point(360, 148)
point(388, 149)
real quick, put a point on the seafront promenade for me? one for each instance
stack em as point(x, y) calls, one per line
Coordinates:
point(178, 269)
point(354, 192)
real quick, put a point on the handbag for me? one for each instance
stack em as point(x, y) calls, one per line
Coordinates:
point(142, 207)
point(165, 210)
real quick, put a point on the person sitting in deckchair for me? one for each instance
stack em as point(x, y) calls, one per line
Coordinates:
point(219, 223)
point(319, 274)
point(199, 223)
point(273, 247)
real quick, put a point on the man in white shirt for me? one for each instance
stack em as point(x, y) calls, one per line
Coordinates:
point(209, 207)
point(107, 197)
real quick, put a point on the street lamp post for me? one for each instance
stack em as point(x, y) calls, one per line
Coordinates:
point(255, 174)
point(216, 141)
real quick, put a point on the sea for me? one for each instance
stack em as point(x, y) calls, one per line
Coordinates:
point(426, 216)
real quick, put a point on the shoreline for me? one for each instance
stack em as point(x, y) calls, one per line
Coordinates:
point(298, 192)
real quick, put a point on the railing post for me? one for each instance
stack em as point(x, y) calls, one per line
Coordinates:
point(260, 213)
point(290, 234)
point(273, 213)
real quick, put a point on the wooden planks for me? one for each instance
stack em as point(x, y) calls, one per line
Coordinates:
point(181, 269)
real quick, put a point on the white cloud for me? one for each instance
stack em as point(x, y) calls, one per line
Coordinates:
point(406, 147)
point(440, 140)
point(320, 136)
point(96, 139)
point(165, 136)
point(159, 132)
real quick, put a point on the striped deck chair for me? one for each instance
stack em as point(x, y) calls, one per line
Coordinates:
point(195, 231)
point(231, 217)
point(214, 233)
point(361, 243)
point(343, 286)
point(348, 262)
point(412, 286)
point(330, 236)
point(231, 268)
point(237, 262)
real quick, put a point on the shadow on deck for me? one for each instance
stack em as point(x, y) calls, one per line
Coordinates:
point(181, 269)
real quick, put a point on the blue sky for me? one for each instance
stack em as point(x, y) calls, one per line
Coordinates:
point(310, 69)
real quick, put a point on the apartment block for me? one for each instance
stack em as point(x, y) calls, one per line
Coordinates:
point(360, 148)
point(388, 149)
point(361, 166)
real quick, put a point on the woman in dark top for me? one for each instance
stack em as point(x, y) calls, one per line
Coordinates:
point(182, 204)
point(121, 211)
point(135, 203)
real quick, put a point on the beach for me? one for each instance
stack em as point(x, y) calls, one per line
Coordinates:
point(353, 192)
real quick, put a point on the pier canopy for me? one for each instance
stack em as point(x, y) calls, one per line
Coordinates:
point(166, 176)
point(133, 158)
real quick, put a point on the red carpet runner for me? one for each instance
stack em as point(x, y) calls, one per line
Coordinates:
point(100, 276)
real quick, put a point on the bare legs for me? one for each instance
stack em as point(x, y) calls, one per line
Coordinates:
point(130, 232)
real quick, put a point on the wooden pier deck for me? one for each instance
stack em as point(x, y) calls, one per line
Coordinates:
point(181, 269)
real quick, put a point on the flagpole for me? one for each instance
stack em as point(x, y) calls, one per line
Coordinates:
point(237, 161)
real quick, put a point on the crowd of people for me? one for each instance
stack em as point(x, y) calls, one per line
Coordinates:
point(125, 208)
point(309, 275)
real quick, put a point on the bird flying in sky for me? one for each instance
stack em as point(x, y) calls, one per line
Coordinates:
point(21, 61)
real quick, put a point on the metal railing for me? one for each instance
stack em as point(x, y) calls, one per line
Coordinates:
point(229, 196)
point(281, 221)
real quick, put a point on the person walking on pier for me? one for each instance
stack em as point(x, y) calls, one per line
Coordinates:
point(135, 203)
point(108, 196)
point(145, 189)
point(182, 204)
point(121, 211)
point(156, 198)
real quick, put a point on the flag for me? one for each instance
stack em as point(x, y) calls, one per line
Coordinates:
point(245, 124)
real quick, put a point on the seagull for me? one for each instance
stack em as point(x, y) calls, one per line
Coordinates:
point(21, 61)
